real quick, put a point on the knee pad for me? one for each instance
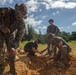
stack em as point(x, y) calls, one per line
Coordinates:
point(64, 52)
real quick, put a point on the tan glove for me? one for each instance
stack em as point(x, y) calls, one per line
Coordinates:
point(41, 52)
point(4, 29)
point(11, 53)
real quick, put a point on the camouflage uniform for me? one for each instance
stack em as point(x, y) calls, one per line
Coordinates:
point(32, 47)
point(8, 19)
point(64, 50)
point(28, 48)
point(54, 30)
point(63, 54)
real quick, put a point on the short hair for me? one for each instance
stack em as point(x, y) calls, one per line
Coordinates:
point(38, 40)
point(51, 20)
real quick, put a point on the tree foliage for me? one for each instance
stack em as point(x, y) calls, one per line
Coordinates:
point(66, 36)
point(31, 34)
point(73, 36)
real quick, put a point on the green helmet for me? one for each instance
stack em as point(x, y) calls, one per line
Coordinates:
point(21, 9)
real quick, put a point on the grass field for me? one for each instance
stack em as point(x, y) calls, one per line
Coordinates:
point(72, 44)
point(43, 46)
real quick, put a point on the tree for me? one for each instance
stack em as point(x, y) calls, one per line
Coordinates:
point(73, 36)
point(32, 35)
point(29, 32)
point(66, 36)
point(25, 37)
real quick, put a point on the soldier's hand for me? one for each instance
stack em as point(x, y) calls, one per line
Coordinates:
point(41, 52)
point(12, 52)
point(5, 29)
point(54, 35)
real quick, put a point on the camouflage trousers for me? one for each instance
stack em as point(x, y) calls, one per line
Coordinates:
point(63, 53)
point(49, 45)
point(5, 39)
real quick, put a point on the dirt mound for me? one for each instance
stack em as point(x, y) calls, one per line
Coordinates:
point(42, 66)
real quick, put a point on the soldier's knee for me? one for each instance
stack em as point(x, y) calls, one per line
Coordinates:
point(64, 46)
point(64, 52)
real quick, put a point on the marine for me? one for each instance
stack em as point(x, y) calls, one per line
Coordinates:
point(12, 27)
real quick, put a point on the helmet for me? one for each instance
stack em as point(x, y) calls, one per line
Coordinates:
point(51, 20)
point(21, 9)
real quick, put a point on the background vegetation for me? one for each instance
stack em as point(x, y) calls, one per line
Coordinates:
point(31, 34)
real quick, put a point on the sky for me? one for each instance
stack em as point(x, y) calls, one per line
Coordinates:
point(63, 12)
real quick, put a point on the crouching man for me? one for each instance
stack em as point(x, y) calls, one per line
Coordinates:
point(62, 45)
point(32, 47)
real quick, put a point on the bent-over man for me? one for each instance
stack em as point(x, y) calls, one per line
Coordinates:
point(62, 45)
point(11, 20)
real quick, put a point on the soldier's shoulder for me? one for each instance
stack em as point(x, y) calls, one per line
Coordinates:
point(6, 8)
point(54, 25)
point(28, 44)
point(48, 26)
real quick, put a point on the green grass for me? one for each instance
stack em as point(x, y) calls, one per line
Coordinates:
point(72, 44)
point(43, 46)
point(23, 44)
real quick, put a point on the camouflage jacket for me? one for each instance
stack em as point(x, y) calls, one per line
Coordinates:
point(29, 45)
point(53, 29)
point(8, 19)
point(58, 40)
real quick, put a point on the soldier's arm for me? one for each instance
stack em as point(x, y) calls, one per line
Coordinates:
point(19, 35)
point(60, 45)
point(35, 50)
point(57, 30)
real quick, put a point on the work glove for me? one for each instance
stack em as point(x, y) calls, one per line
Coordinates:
point(41, 52)
point(11, 52)
point(4, 29)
